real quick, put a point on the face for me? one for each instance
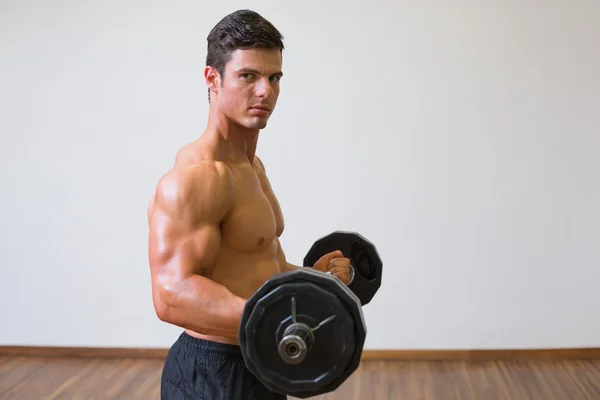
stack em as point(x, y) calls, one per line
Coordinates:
point(248, 92)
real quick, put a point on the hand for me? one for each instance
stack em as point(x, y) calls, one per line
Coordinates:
point(336, 264)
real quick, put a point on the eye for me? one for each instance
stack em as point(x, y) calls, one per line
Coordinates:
point(246, 76)
point(275, 78)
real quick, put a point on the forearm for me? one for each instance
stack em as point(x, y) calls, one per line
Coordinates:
point(203, 306)
point(285, 265)
point(291, 267)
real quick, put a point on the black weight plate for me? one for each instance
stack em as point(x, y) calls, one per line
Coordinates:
point(333, 342)
point(338, 344)
point(363, 256)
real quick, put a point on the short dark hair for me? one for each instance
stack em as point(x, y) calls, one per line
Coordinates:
point(242, 29)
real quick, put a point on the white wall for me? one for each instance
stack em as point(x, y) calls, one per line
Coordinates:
point(462, 139)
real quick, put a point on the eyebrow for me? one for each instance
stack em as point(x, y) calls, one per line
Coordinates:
point(253, 71)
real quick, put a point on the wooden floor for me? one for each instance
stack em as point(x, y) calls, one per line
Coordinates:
point(31, 378)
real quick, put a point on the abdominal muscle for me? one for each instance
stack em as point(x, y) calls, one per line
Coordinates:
point(243, 273)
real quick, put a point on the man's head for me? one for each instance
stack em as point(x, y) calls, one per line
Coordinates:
point(243, 68)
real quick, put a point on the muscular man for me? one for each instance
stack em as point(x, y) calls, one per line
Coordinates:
point(215, 222)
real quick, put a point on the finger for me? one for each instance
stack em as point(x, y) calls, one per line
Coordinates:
point(339, 270)
point(321, 266)
point(339, 262)
point(343, 276)
point(336, 254)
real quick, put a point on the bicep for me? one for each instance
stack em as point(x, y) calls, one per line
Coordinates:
point(177, 252)
point(198, 250)
point(185, 233)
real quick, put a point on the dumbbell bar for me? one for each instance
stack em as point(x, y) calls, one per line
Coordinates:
point(302, 333)
point(363, 256)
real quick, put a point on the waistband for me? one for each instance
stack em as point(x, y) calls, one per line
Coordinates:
point(208, 346)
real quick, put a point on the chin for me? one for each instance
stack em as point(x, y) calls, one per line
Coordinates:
point(256, 123)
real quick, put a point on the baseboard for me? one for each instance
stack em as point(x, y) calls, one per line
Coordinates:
point(83, 352)
point(484, 355)
point(398, 355)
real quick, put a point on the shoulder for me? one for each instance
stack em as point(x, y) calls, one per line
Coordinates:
point(197, 176)
point(207, 184)
point(207, 172)
point(258, 163)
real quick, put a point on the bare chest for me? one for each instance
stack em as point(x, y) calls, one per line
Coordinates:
point(255, 219)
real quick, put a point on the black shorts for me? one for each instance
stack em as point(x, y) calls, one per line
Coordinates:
point(200, 369)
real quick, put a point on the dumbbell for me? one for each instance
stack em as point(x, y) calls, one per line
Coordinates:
point(364, 258)
point(302, 333)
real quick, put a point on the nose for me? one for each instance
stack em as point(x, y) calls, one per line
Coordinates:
point(264, 88)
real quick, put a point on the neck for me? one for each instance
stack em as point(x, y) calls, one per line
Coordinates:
point(239, 142)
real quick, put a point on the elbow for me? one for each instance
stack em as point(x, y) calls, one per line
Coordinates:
point(163, 305)
point(168, 309)
point(163, 311)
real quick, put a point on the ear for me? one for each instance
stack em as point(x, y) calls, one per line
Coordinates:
point(212, 78)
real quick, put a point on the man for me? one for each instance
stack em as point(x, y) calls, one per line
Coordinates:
point(215, 222)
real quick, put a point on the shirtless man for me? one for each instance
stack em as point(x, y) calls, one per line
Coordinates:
point(215, 222)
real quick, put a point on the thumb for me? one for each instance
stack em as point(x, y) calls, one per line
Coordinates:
point(337, 254)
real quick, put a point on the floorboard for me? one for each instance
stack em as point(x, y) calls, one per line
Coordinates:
point(44, 378)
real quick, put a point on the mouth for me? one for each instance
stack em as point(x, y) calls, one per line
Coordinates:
point(261, 107)
point(260, 110)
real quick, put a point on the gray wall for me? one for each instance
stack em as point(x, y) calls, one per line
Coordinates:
point(462, 139)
